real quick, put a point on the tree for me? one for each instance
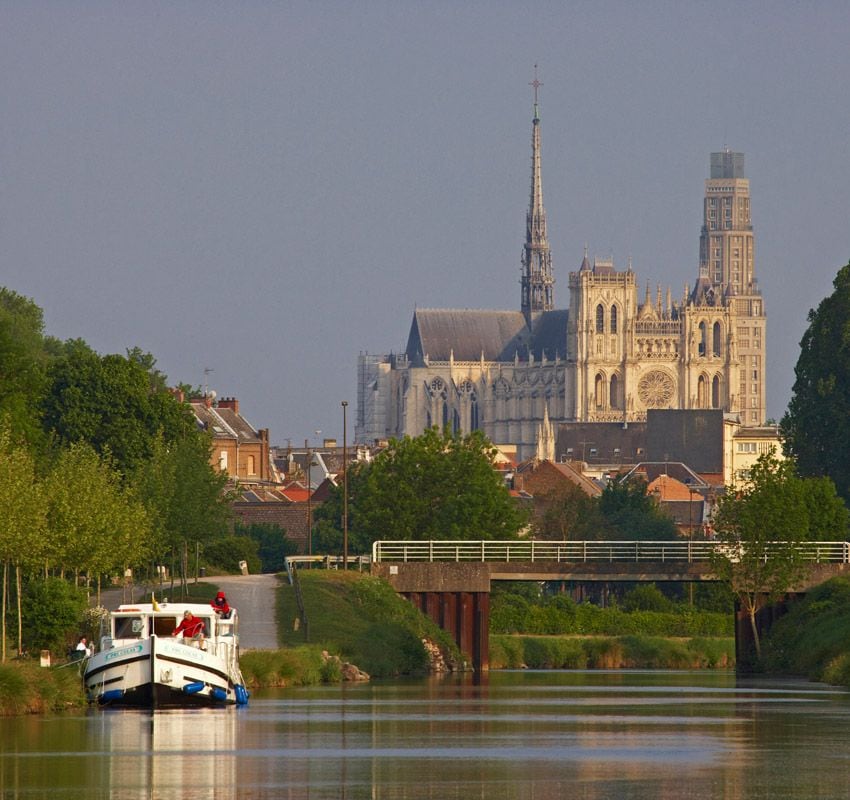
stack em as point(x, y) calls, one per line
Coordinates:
point(23, 519)
point(183, 494)
point(116, 404)
point(96, 525)
point(761, 528)
point(628, 512)
point(567, 513)
point(272, 544)
point(816, 427)
point(433, 486)
point(22, 364)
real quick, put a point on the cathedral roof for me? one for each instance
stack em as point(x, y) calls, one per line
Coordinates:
point(466, 334)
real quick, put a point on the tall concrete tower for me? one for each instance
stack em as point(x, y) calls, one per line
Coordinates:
point(537, 281)
point(727, 262)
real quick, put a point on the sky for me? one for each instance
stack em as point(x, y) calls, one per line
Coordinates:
point(256, 192)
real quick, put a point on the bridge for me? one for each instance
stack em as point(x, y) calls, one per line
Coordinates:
point(450, 580)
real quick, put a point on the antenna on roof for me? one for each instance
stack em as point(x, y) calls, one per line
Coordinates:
point(207, 371)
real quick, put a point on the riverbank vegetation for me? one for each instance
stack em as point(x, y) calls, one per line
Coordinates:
point(610, 652)
point(813, 638)
point(27, 688)
point(644, 610)
point(362, 620)
point(304, 665)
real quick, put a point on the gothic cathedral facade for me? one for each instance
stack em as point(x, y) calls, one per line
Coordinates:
point(608, 358)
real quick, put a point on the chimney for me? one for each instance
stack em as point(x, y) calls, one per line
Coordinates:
point(229, 402)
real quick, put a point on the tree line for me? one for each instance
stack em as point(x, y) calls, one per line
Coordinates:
point(102, 467)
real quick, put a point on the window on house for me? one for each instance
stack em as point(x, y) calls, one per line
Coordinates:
point(600, 319)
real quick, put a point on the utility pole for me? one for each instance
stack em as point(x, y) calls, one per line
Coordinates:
point(344, 485)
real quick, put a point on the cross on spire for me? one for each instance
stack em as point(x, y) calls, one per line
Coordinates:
point(536, 84)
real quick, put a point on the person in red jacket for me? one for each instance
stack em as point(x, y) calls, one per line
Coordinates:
point(221, 606)
point(191, 627)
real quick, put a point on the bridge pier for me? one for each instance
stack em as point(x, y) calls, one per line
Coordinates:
point(745, 646)
point(465, 616)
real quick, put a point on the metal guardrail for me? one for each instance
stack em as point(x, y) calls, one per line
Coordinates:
point(631, 551)
point(328, 562)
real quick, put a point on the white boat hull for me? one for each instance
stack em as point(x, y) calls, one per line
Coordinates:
point(160, 672)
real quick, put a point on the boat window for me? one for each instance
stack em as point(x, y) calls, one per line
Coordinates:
point(163, 626)
point(129, 627)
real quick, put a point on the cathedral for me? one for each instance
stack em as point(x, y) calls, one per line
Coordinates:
point(607, 358)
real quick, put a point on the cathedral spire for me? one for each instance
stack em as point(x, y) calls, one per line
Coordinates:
point(537, 280)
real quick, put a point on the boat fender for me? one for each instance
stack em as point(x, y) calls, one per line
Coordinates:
point(194, 687)
point(110, 696)
point(218, 693)
point(241, 695)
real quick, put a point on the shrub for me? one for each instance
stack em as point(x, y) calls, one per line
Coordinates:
point(51, 611)
point(646, 597)
point(226, 553)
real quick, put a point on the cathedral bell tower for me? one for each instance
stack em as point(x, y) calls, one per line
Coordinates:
point(537, 281)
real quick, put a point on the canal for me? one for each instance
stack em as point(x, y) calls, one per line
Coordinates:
point(553, 734)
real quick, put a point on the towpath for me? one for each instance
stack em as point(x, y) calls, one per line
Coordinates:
point(254, 598)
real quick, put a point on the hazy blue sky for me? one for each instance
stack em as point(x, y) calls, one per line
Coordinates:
point(266, 189)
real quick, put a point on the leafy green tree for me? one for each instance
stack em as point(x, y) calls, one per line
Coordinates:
point(52, 610)
point(761, 527)
point(114, 403)
point(816, 427)
point(22, 520)
point(96, 525)
point(226, 552)
point(183, 494)
point(567, 513)
point(272, 544)
point(433, 486)
point(22, 364)
point(628, 512)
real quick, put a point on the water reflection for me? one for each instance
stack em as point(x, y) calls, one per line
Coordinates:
point(528, 736)
point(168, 754)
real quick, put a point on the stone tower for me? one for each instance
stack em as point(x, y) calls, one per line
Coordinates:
point(537, 280)
point(727, 265)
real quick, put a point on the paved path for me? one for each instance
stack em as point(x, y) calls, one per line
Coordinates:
point(254, 597)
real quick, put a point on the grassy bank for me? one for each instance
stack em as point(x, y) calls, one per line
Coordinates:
point(609, 652)
point(27, 688)
point(362, 620)
point(295, 666)
point(813, 639)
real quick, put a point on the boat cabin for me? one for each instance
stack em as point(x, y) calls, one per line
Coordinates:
point(141, 621)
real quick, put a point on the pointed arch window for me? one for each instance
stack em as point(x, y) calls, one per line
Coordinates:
point(702, 339)
point(599, 390)
point(600, 318)
point(614, 392)
point(474, 421)
point(701, 392)
point(716, 339)
point(715, 392)
point(613, 319)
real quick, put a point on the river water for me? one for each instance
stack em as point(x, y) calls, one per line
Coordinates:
point(553, 734)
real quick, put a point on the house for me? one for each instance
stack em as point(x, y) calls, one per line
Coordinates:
point(238, 448)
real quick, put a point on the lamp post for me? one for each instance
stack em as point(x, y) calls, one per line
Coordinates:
point(309, 499)
point(344, 485)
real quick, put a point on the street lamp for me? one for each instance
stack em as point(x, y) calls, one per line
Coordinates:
point(309, 498)
point(344, 485)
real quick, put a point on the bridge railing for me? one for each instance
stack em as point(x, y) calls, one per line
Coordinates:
point(597, 550)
